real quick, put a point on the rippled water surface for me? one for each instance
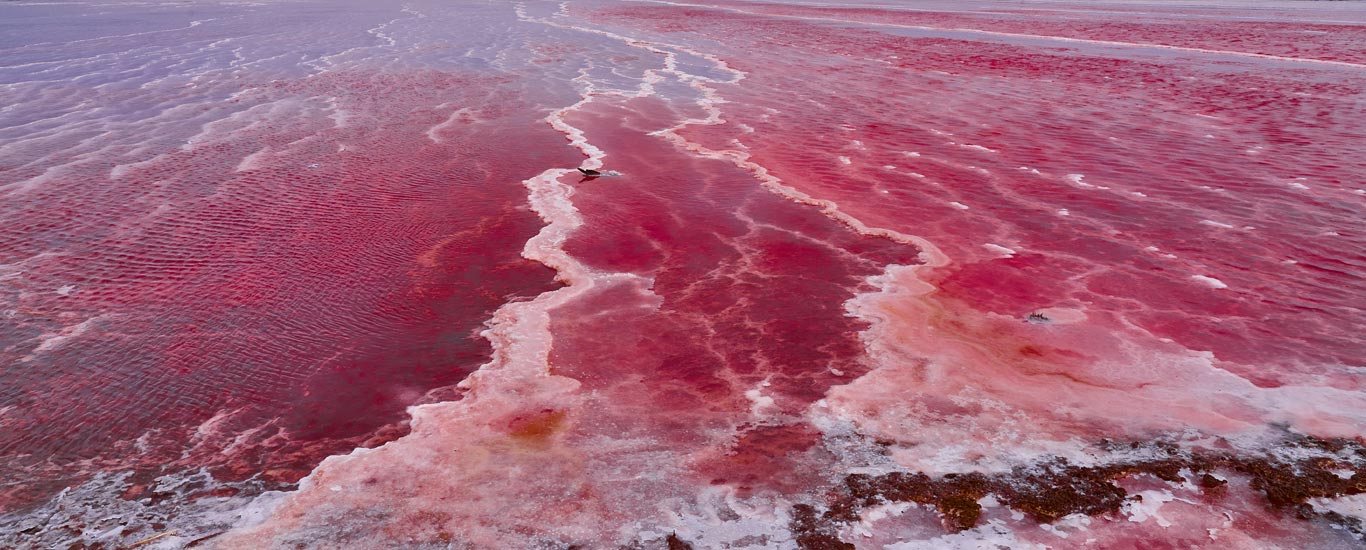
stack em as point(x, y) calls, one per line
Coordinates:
point(863, 275)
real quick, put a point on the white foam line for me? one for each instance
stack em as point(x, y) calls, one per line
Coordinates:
point(1025, 35)
point(50, 341)
point(59, 62)
point(433, 132)
point(377, 32)
point(78, 110)
point(192, 25)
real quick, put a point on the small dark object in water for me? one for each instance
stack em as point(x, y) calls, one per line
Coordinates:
point(1037, 318)
point(590, 173)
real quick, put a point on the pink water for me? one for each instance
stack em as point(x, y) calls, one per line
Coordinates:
point(1065, 262)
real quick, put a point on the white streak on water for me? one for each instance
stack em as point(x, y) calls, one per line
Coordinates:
point(1210, 281)
point(1042, 37)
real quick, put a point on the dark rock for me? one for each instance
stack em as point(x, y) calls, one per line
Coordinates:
point(676, 543)
point(1052, 490)
point(815, 532)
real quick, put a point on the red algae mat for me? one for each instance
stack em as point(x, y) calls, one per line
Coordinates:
point(906, 275)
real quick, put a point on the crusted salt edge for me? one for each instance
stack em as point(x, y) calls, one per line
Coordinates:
point(760, 405)
point(1065, 526)
point(1351, 505)
point(1303, 408)
point(991, 534)
point(518, 332)
point(718, 518)
point(108, 518)
point(902, 282)
point(1148, 507)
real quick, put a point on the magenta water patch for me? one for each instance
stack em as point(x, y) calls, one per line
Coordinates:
point(939, 275)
